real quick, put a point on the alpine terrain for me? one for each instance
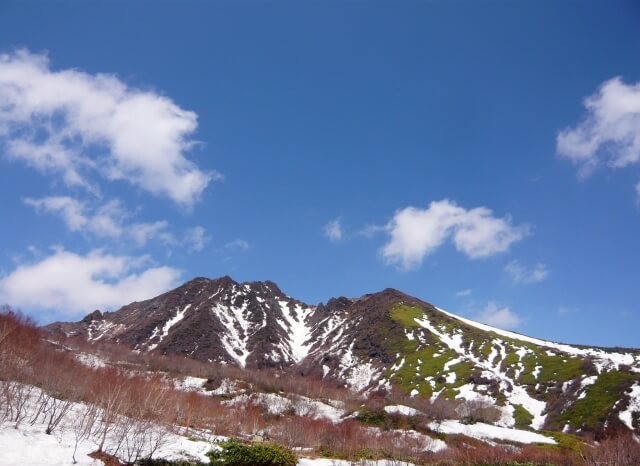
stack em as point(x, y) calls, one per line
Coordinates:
point(378, 343)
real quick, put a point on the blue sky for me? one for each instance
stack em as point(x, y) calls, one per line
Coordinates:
point(480, 155)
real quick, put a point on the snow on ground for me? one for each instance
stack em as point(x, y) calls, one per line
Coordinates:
point(190, 384)
point(102, 328)
point(358, 374)
point(584, 383)
point(634, 405)
point(520, 396)
point(167, 326)
point(607, 359)
point(302, 406)
point(29, 445)
point(196, 384)
point(179, 447)
point(295, 324)
point(227, 387)
point(90, 360)
point(234, 342)
point(425, 442)
point(514, 393)
point(401, 409)
point(484, 431)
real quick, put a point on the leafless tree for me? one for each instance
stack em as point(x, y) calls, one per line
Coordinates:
point(19, 396)
point(82, 425)
point(111, 399)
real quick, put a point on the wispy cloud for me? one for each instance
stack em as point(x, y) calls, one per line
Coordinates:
point(563, 310)
point(463, 293)
point(196, 238)
point(238, 244)
point(333, 230)
point(522, 275)
point(85, 126)
point(108, 220)
point(415, 233)
point(370, 231)
point(500, 317)
point(111, 221)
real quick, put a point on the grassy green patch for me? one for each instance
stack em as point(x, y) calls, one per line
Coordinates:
point(372, 418)
point(236, 453)
point(406, 315)
point(593, 409)
point(522, 417)
point(564, 441)
point(558, 368)
point(424, 359)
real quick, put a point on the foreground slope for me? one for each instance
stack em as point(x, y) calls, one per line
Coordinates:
point(379, 341)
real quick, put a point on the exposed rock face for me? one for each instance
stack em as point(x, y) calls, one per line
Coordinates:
point(376, 341)
point(250, 324)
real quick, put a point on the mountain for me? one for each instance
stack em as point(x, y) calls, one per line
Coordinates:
point(379, 341)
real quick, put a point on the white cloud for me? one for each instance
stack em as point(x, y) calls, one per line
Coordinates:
point(196, 238)
point(333, 230)
point(142, 233)
point(500, 317)
point(111, 221)
point(521, 275)
point(416, 233)
point(237, 244)
point(463, 293)
point(77, 124)
point(71, 210)
point(73, 284)
point(105, 221)
point(370, 231)
point(609, 131)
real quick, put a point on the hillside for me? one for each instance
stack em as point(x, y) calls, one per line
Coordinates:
point(381, 342)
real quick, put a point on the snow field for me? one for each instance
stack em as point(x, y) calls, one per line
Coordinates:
point(483, 431)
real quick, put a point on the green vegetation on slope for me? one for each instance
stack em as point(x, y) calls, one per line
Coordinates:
point(426, 364)
point(422, 364)
point(592, 411)
point(236, 453)
point(522, 417)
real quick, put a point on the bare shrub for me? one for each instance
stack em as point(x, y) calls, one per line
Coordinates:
point(621, 450)
point(18, 397)
point(111, 398)
point(478, 411)
point(296, 431)
point(83, 422)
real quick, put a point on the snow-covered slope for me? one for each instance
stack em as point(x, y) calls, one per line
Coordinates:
point(378, 341)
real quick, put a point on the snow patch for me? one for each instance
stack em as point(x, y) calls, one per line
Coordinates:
point(402, 410)
point(605, 359)
point(167, 326)
point(296, 327)
point(484, 431)
point(277, 405)
point(626, 416)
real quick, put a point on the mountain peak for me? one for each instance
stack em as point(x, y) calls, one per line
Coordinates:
point(378, 341)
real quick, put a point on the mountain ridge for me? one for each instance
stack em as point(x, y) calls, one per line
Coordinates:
point(380, 342)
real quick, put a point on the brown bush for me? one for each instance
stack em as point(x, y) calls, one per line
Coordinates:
point(134, 409)
point(620, 450)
